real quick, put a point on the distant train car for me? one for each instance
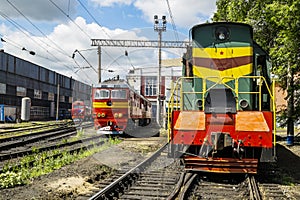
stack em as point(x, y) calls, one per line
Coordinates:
point(224, 119)
point(80, 111)
point(118, 108)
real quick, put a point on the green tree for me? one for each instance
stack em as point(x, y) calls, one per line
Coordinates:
point(276, 26)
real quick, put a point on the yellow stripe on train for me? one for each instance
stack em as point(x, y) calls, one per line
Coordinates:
point(229, 52)
point(236, 72)
point(114, 105)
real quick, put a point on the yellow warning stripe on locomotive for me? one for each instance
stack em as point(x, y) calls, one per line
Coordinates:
point(222, 52)
point(234, 73)
point(114, 105)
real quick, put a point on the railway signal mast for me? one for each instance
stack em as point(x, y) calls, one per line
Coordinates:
point(159, 27)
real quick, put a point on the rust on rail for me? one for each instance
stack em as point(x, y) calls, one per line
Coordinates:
point(220, 165)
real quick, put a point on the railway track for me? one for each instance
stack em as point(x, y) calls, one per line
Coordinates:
point(154, 178)
point(46, 136)
point(199, 186)
point(22, 136)
point(14, 131)
point(59, 138)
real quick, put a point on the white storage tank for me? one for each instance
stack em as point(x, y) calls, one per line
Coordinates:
point(52, 109)
point(25, 109)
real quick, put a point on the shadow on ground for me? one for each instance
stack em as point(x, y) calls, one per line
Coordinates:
point(286, 170)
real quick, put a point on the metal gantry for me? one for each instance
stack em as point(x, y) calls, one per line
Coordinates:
point(140, 43)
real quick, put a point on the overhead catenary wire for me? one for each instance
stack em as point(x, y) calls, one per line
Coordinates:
point(37, 28)
point(6, 40)
point(89, 13)
point(60, 49)
point(38, 40)
point(70, 19)
point(78, 25)
point(21, 29)
point(172, 21)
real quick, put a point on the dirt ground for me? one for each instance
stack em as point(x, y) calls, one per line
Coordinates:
point(289, 166)
point(77, 179)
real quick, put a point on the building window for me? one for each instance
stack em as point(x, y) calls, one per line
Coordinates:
point(151, 86)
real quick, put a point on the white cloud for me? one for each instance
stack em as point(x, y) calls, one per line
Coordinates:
point(108, 3)
point(55, 51)
point(185, 13)
point(39, 10)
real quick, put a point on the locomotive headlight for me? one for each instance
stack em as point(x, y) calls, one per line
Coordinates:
point(120, 115)
point(99, 115)
point(103, 115)
point(222, 33)
point(222, 36)
point(244, 103)
point(116, 115)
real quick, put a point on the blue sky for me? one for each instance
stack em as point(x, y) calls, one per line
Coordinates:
point(54, 29)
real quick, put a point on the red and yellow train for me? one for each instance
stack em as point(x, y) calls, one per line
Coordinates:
point(118, 108)
point(80, 111)
point(222, 110)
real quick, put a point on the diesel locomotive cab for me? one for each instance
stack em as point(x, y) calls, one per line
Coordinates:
point(227, 107)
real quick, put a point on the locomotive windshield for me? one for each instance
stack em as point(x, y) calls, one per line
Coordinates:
point(101, 94)
point(118, 94)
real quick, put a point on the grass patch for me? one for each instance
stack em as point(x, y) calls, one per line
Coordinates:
point(32, 166)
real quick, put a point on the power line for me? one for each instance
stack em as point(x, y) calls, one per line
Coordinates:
point(172, 22)
point(18, 46)
point(78, 25)
point(93, 18)
point(99, 26)
point(70, 19)
point(21, 29)
point(58, 48)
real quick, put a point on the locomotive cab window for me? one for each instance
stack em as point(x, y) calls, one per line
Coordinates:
point(78, 106)
point(118, 94)
point(222, 33)
point(101, 94)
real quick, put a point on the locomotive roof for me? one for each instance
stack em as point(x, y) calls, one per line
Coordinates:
point(120, 83)
point(113, 84)
point(223, 23)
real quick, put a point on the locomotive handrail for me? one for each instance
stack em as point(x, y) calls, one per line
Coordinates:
point(235, 90)
point(178, 88)
point(260, 85)
point(272, 96)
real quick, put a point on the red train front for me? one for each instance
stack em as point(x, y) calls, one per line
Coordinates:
point(117, 108)
point(80, 111)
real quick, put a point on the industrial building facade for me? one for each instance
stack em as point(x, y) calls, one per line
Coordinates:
point(51, 93)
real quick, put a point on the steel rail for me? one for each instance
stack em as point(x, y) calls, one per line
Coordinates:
point(45, 148)
point(30, 139)
point(254, 190)
point(112, 190)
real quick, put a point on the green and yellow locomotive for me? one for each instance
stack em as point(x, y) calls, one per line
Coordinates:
point(222, 109)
